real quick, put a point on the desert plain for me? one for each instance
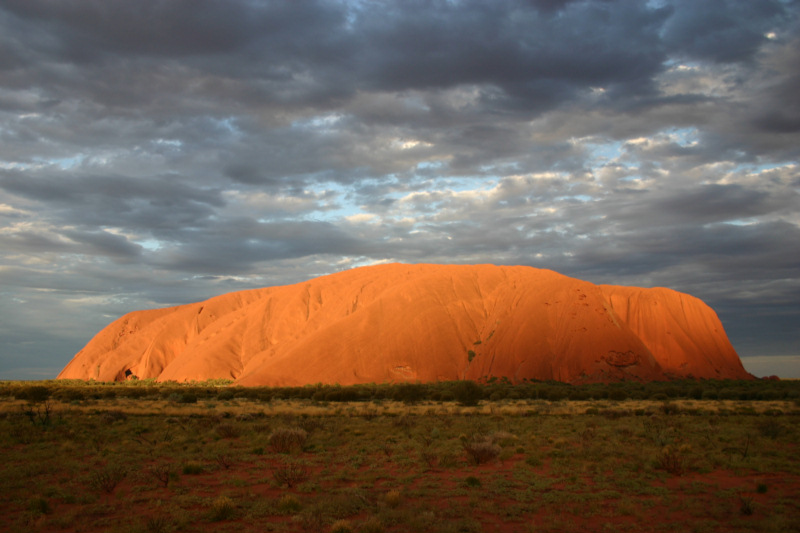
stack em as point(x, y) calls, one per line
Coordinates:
point(142, 456)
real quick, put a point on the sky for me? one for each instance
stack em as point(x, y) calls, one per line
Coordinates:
point(155, 153)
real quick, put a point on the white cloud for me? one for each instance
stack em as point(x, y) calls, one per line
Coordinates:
point(360, 218)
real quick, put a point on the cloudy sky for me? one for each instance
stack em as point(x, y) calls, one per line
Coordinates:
point(154, 153)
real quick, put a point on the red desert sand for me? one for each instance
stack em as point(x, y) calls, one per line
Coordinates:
point(401, 323)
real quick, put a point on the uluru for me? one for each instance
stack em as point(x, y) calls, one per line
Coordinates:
point(419, 323)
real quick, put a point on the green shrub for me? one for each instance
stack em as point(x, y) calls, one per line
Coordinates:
point(290, 473)
point(109, 417)
point(746, 506)
point(107, 478)
point(39, 506)
point(533, 460)
point(223, 460)
point(227, 431)
point(618, 395)
point(187, 398)
point(555, 394)
point(672, 459)
point(669, 408)
point(158, 524)
point(33, 394)
point(372, 524)
point(392, 499)
point(341, 526)
point(472, 481)
point(410, 393)
point(133, 392)
point(70, 395)
point(222, 508)
point(193, 469)
point(226, 395)
point(162, 473)
point(311, 519)
point(289, 504)
point(771, 428)
point(481, 450)
point(287, 439)
point(467, 393)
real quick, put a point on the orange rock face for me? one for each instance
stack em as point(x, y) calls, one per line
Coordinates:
point(397, 322)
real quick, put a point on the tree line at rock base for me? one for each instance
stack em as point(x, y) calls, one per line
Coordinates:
point(461, 392)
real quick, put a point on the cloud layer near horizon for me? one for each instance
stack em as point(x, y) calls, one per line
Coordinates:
point(156, 153)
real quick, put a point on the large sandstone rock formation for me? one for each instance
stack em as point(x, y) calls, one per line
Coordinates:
point(399, 322)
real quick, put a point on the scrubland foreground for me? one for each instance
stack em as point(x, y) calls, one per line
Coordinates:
point(146, 457)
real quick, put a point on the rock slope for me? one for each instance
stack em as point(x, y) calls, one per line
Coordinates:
point(399, 322)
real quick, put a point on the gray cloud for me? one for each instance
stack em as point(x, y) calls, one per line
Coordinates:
point(240, 245)
point(157, 153)
point(720, 30)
